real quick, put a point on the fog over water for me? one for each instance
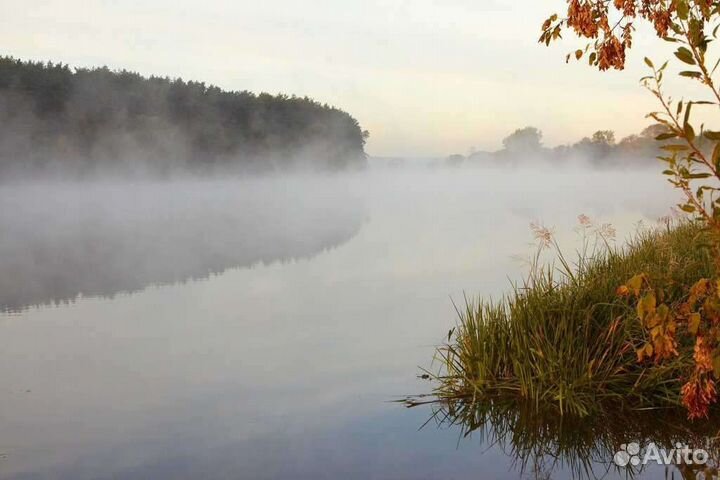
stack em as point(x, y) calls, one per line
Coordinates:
point(264, 322)
point(64, 240)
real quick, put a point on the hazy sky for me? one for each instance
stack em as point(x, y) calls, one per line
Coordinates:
point(425, 77)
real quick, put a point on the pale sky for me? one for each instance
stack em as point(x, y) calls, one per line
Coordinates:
point(425, 77)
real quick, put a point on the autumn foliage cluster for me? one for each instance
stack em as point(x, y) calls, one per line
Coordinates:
point(692, 157)
point(695, 318)
point(610, 24)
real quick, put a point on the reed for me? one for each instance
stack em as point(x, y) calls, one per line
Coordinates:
point(564, 339)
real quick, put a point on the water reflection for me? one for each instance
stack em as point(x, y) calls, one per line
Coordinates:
point(62, 241)
point(543, 444)
point(284, 370)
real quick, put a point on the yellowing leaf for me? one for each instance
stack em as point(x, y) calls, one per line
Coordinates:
point(694, 323)
point(646, 305)
point(640, 352)
point(655, 331)
point(635, 283)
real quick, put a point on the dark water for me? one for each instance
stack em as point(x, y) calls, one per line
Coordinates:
point(271, 323)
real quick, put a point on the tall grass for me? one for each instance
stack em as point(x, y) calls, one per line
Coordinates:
point(564, 338)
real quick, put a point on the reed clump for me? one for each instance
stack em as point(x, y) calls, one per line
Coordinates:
point(565, 339)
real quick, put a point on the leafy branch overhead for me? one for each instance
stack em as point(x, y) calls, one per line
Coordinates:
point(610, 24)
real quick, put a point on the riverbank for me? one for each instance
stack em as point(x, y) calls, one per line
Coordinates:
point(565, 338)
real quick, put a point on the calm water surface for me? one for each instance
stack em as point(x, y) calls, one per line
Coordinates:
point(276, 354)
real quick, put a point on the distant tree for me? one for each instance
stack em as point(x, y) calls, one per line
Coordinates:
point(528, 139)
point(630, 143)
point(601, 144)
point(604, 137)
point(641, 146)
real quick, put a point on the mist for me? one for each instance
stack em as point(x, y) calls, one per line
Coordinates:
point(219, 321)
point(63, 240)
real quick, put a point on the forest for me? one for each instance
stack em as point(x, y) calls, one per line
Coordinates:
point(81, 122)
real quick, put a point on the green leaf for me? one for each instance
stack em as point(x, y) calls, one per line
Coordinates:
point(675, 148)
point(689, 74)
point(711, 135)
point(655, 116)
point(649, 63)
point(685, 55)
point(683, 9)
point(716, 156)
point(689, 132)
point(665, 136)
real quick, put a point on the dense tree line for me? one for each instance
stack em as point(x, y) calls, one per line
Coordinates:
point(83, 121)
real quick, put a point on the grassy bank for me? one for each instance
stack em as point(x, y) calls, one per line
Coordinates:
point(565, 338)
